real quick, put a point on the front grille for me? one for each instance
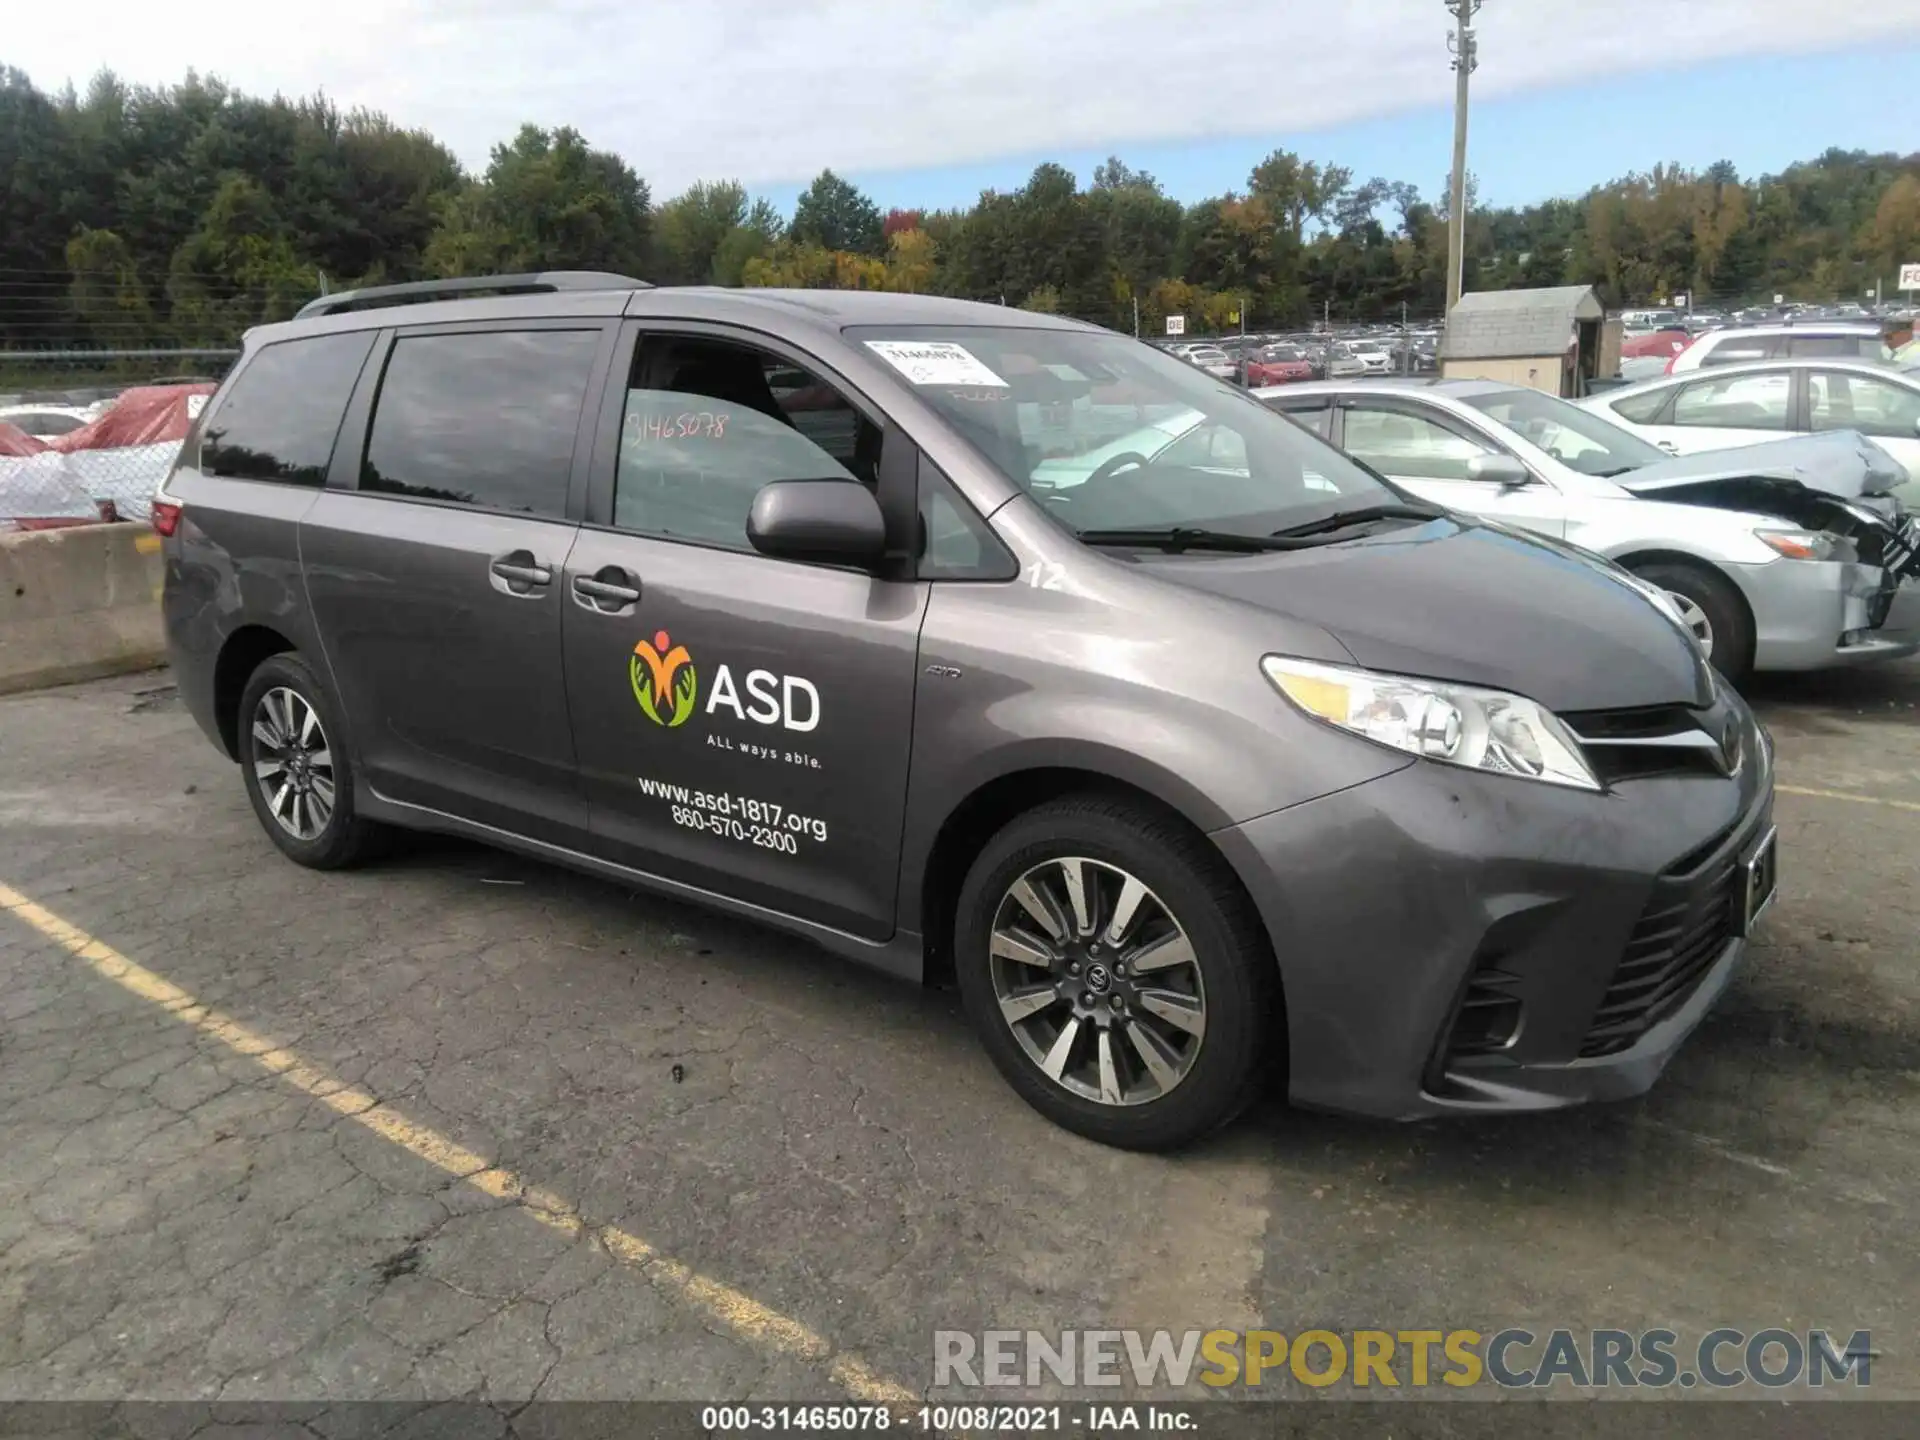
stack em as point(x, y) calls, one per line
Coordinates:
point(1687, 922)
point(1646, 742)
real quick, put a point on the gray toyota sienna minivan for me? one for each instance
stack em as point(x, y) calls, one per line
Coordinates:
point(975, 643)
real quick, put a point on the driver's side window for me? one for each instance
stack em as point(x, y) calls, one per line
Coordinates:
point(1395, 442)
point(708, 422)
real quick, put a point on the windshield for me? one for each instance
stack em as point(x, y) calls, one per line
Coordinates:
point(1111, 434)
point(1578, 439)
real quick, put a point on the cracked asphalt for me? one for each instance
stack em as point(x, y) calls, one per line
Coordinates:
point(793, 1142)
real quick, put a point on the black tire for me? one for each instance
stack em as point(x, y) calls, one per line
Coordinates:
point(1244, 1035)
point(345, 839)
point(1720, 602)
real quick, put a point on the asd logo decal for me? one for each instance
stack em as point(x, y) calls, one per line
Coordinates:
point(664, 680)
point(667, 687)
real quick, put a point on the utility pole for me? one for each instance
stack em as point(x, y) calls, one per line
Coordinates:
point(1465, 61)
point(1136, 317)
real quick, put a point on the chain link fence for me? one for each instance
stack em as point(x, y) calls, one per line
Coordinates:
point(89, 434)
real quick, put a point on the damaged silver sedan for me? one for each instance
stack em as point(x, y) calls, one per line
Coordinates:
point(1793, 555)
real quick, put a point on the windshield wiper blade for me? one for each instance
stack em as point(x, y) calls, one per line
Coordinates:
point(1175, 538)
point(1341, 519)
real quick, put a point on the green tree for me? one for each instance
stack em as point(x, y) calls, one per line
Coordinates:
point(108, 298)
point(690, 229)
point(835, 215)
point(548, 201)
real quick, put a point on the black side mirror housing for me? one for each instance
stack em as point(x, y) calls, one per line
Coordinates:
point(823, 522)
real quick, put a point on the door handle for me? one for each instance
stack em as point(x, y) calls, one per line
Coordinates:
point(520, 568)
point(605, 590)
point(608, 591)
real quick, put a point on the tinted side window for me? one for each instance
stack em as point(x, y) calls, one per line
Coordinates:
point(484, 419)
point(279, 420)
point(1739, 402)
point(707, 423)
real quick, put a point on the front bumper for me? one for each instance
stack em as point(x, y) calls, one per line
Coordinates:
point(1408, 911)
point(1812, 614)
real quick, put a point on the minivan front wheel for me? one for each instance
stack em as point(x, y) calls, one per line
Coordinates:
point(296, 768)
point(1116, 973)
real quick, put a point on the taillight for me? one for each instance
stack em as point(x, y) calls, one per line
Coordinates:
point(166, 516)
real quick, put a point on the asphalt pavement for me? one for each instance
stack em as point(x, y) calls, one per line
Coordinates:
point(464, 1125)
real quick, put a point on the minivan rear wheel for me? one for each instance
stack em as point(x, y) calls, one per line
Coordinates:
point(293, 758)
point(1116, 973)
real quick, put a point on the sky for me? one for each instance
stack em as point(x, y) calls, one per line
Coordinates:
point(926, 102)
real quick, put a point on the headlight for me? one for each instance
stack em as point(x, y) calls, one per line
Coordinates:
point(1797, 544)
point(1454, 724)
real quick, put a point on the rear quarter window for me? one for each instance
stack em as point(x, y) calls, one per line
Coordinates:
point(281, 417)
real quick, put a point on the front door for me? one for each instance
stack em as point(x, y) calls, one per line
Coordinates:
point(435, 583)
point(1426, 452)
point(742, 724)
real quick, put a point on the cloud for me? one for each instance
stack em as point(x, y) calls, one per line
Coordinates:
point(771, 92)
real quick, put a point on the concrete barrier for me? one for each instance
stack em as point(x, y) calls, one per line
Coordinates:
point(78, 602)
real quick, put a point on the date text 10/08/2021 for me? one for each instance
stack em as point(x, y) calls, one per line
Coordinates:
point(952, 1419)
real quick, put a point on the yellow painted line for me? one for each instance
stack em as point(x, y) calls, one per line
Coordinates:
point(147, 544)
point(1844, 795)
point(733, 1309)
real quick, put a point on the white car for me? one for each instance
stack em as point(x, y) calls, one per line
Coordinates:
point(1815, 340)
point(1343, 362)
point(1373, 354)
point(1788, 556)
point(1748, 404)
point(44, 422)
point(1215, 361)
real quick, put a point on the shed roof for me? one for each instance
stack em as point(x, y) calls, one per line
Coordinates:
point(1518, 324)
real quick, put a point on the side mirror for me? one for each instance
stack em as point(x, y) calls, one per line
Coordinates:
point(1502, 470)
point(828, 522)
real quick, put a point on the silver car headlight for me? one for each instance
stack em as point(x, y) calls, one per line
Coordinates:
point(1454, 724)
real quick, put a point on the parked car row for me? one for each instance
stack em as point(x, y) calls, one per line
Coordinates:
point(1293, 358)
point(1781, 556)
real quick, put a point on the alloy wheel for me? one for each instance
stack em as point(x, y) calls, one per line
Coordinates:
point(1695, 619)
point(293, 762)
point(1098, 981)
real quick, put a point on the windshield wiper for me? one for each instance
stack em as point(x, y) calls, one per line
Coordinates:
point(1341, 519)
point(1175, 538)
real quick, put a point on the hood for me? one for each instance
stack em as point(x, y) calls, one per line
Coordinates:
point(1479, 604)
point(1841, 463)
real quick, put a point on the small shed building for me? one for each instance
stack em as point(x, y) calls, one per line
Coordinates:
point(1553, 340)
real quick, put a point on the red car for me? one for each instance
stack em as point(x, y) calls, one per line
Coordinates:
point(1278, 372)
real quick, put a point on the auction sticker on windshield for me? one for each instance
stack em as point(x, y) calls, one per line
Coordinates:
point(935, 362)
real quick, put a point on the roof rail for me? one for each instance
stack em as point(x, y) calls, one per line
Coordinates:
point(418, 292)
